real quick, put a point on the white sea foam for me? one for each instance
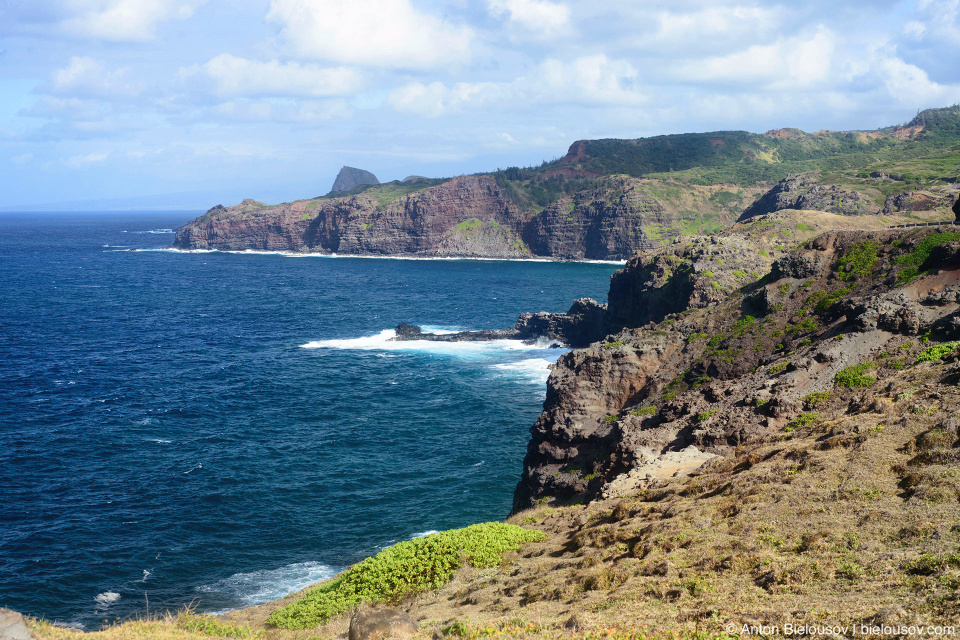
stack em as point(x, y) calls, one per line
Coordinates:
point(480, 350)
point(258, 587)
point(533, 369)
point(154, 231)
point(291, 254)
point(423, 534)
point(106, 599)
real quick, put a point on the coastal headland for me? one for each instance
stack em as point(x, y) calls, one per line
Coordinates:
point(757, 436)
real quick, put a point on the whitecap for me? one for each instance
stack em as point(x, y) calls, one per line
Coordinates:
point(257, 587)
point(533, 369)
point(424, 534)
point(383, 341)
point(106, 599)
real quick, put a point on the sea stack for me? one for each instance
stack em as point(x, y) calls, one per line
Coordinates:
point(350, 177)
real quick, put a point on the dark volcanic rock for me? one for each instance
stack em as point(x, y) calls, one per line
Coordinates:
point(703, 271)
point(467, 216)
point(350, 177)
point(585, 322)
point(805, 192)
point(655, 400)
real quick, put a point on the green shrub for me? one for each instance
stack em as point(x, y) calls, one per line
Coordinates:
point(706, 415)
point(804, 326)
point(922, 251)
point(403, 570)
point(818, 397)
point(644, 411)
point(803, 420)
point(698, 335)
point(854, 377)
point(612, 345)
point(743, 324)
point(777, 368)
point(929, 563)
point(832, 298)
point(859, 260)
point(937, 352)
point(611, 418)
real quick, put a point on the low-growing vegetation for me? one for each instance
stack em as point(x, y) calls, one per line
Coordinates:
point(405, 569)
point(855, 377)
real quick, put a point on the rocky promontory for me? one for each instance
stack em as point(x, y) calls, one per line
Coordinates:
point(690, 375)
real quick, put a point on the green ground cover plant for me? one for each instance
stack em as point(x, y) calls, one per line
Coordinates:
point(854, 377)
point(937, 352)
point(403, 570)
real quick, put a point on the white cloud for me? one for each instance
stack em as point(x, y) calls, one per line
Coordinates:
point(911, 85)
point(376, 33)
point(436, 99)
point(587, 80)
point(537, 16)
point(693, 27)
point(798, 62)
point(83, 160)
point(593, 80)
point(89, 77)
point(24, 158)
point(233, 76)
point(124, 20)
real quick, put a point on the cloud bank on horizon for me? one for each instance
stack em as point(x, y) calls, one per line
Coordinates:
point(268, 98)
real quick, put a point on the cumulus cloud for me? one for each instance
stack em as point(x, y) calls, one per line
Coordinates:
point(593, 80)
point(714, 22)
point(436, 99)
point(123, 20)
point(799, 62)
point(88, 77)
point(536, 16)
point(910, 84)
point(376, 33)
point(233, 76)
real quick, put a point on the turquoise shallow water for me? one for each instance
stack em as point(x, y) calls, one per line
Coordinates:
point(221, 429)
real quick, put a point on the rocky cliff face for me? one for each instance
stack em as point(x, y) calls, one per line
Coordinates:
point(806, 192)
point(467, 216)
point(350, 177)
point(840, 313)
point(471, 216)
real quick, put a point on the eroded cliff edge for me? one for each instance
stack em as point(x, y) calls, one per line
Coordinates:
point(719, 341)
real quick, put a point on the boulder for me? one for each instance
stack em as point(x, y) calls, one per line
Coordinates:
point(377, 624)
point(12, 626)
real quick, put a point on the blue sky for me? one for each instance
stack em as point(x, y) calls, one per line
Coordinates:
point(187, 103)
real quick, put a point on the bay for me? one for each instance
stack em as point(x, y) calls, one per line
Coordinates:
point(216, 429)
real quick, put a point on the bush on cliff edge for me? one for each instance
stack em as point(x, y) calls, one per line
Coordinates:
point(405, 569)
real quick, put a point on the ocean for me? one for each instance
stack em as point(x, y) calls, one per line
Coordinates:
point(216, 430)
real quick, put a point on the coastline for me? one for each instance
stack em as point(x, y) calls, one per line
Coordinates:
point(293, 254)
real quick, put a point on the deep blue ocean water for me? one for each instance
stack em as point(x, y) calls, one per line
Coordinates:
point(220, 429)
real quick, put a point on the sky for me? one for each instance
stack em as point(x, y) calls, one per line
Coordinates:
point(191, 103)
